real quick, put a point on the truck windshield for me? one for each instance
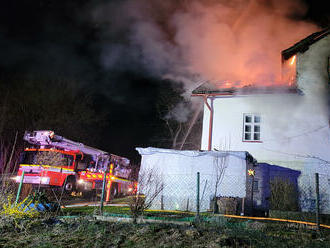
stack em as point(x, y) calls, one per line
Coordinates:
point(46, 158)
point(86, 163)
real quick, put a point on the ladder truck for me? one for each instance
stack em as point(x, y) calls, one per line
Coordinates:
point(54, 161)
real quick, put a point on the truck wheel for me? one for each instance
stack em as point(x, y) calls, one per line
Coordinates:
point(70, 185)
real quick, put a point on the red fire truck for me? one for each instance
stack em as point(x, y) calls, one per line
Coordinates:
point(56, 161)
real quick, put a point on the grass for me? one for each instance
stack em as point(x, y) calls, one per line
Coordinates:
point(300, 216)
point(82, 211)
point(84, 232)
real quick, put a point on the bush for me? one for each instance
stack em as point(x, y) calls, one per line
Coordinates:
point(284, 195)
point(20, 210)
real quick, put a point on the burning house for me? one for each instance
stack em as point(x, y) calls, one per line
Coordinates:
point(284, 123)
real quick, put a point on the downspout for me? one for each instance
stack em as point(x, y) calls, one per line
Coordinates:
point(210, 123)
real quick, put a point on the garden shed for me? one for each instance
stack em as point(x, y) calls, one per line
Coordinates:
point(178, 171)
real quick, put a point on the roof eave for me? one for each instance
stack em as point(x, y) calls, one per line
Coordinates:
point(237, 93)
point(303, 45)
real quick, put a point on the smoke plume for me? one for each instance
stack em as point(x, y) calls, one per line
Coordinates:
point(218, 40)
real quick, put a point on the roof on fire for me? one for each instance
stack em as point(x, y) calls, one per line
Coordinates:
point(303, 45)
point(216, 89)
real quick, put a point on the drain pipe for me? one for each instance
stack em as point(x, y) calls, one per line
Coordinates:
point(210, 123)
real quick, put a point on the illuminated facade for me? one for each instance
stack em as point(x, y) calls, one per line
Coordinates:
point(286, 125)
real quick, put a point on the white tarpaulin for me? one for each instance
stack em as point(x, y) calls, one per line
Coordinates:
point(178, 170)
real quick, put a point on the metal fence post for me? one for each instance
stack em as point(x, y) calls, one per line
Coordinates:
point(162, 202)
point(317, 190)
point(20, 187)
point(103, 189)
point(197, 193)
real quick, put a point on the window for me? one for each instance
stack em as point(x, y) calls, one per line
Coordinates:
point(255, 186)
point(86, 162)
point(251, 127)
point(50, 158)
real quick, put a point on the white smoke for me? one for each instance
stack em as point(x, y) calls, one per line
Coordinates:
point(234, 40)
point(180, 113)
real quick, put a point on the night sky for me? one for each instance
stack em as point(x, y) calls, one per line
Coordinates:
point(62, 38)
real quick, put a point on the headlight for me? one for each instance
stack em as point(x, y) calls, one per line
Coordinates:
point(80, 181)
point(16, 178)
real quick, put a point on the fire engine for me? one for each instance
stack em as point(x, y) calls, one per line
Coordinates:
point(56, 161)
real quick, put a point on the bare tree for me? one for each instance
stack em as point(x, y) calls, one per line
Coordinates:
point(150, 185)
point(3, 110)
point(220, 164)
point(182, 120)
point(180, 130)
point(9, 156)
point(174, 130)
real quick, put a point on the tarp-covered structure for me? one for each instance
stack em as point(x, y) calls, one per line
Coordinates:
point(178, 170)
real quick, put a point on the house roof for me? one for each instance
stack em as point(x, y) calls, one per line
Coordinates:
point(215, 89)
point(303, 45)
point(218, 88)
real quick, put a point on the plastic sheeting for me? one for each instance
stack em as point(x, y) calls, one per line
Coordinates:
point(179, 174)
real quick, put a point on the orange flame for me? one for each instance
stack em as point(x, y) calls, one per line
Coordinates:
point(293, 60)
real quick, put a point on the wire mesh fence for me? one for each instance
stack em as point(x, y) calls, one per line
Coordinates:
point(307, 193)
point(232, 194)
point(324, 193)
point(278, 197)
point(181, 191)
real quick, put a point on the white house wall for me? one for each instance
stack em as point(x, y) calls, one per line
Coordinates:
point(313, 69)
point(294, 127)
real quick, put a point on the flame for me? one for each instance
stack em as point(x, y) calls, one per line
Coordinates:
point(231, 84)
point(288, 78)
point(293, 60)
point(241, 84)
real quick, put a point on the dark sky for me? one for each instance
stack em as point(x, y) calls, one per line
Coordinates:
point(54, 38)
point(61, 38)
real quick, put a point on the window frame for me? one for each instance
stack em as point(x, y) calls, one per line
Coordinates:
point(252, 131)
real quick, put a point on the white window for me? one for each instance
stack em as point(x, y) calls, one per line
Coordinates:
point(251, 127)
